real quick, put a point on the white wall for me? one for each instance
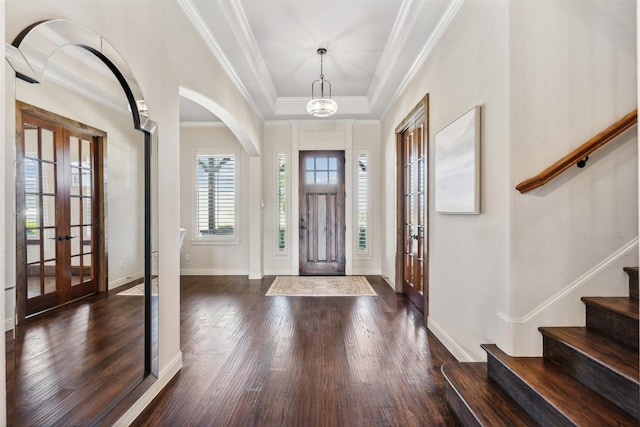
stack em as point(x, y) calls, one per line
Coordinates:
point(213, 258)
point(548, 75)
point(468, 254)
point(578, 76)
point(290, 138)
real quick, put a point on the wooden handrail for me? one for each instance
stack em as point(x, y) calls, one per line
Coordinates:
point(579, 153)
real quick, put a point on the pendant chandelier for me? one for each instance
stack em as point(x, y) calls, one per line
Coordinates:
point(321, 106)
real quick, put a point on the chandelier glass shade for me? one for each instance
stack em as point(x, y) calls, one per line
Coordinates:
point(321, 104)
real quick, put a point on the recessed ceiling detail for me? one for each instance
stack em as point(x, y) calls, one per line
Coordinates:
point(268, 48)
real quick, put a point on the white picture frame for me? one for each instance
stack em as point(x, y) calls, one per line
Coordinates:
point(457, 165)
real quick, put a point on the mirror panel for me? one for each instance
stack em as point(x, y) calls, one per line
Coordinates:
point(46, 52)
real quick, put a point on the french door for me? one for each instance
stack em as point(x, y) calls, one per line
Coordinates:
point(58, 218)
point(413, 155)
point(322, 217)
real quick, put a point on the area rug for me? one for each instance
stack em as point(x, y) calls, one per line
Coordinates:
point(139, 290)
point(321, 286)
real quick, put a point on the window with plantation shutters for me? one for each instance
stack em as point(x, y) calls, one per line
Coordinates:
point(363, 203)
point(281, 165)
point(216, 196)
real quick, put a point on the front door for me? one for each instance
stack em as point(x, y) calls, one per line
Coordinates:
point(414, 165)
point(57, 214)
point(322, 226)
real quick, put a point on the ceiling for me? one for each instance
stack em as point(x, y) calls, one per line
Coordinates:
point(268, 48)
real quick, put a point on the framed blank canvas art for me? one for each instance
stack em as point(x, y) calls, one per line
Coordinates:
point(457, 165)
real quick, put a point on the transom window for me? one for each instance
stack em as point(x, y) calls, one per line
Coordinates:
point(321, 170)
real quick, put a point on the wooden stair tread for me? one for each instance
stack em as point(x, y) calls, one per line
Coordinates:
point(487, 403)
point(616, 356)
point(564, 393)
point(631, 270)
point(625, 306)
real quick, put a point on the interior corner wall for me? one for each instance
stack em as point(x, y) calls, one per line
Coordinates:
point(4, 140)
point(290, 138)
point(573, 73)
point(468, 254)
point(8, 225)
point(212, 259)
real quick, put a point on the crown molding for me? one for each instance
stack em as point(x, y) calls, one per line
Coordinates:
point(346, 105)
point(61, 77)
point(203, 124)
point(434, 38)
point(402, 26)
point(310, 122)
point(201, 27)
point(249, 47)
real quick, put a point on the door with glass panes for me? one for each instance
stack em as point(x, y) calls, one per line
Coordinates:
point(322, 213)
point(57, 211)
point(414, 208)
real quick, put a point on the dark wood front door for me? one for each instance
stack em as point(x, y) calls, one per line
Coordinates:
point(322, 226)
point(57, 214)
point(412, 151)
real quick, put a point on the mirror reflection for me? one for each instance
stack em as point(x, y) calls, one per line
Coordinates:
point(82, 199)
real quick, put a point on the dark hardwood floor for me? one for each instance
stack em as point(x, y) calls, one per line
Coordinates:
point(71, 365)
point(251, 360)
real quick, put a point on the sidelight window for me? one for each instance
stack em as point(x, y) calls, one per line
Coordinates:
point(281, 179)
point(362, 202)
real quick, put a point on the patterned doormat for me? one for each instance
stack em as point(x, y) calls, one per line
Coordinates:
point(321, 286)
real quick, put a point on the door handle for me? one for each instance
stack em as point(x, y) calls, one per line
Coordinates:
point(67, 237)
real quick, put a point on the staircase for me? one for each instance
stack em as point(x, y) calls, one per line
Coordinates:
point(587, 376)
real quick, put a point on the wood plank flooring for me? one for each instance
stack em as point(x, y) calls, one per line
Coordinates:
point(251, 360)
point(70, 366)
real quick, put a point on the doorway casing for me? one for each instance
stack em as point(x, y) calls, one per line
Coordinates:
point(419, 113)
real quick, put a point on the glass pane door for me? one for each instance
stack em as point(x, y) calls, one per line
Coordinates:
point(56, 208)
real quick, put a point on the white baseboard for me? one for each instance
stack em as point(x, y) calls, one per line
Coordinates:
point(454, 348)
point(365, 272)
point(354, 272)
point(564, 308)
point(165, 376)
point(8, 324)
point(124, 280)
point(278, 272)
point(213, 272)
point(389, 281)
point(579, 282)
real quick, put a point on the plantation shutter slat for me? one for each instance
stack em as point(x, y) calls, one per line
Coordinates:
point(216, 194)
point(363, 202)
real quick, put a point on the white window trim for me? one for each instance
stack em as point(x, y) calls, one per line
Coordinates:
point(216, 240)
point(356, 220)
